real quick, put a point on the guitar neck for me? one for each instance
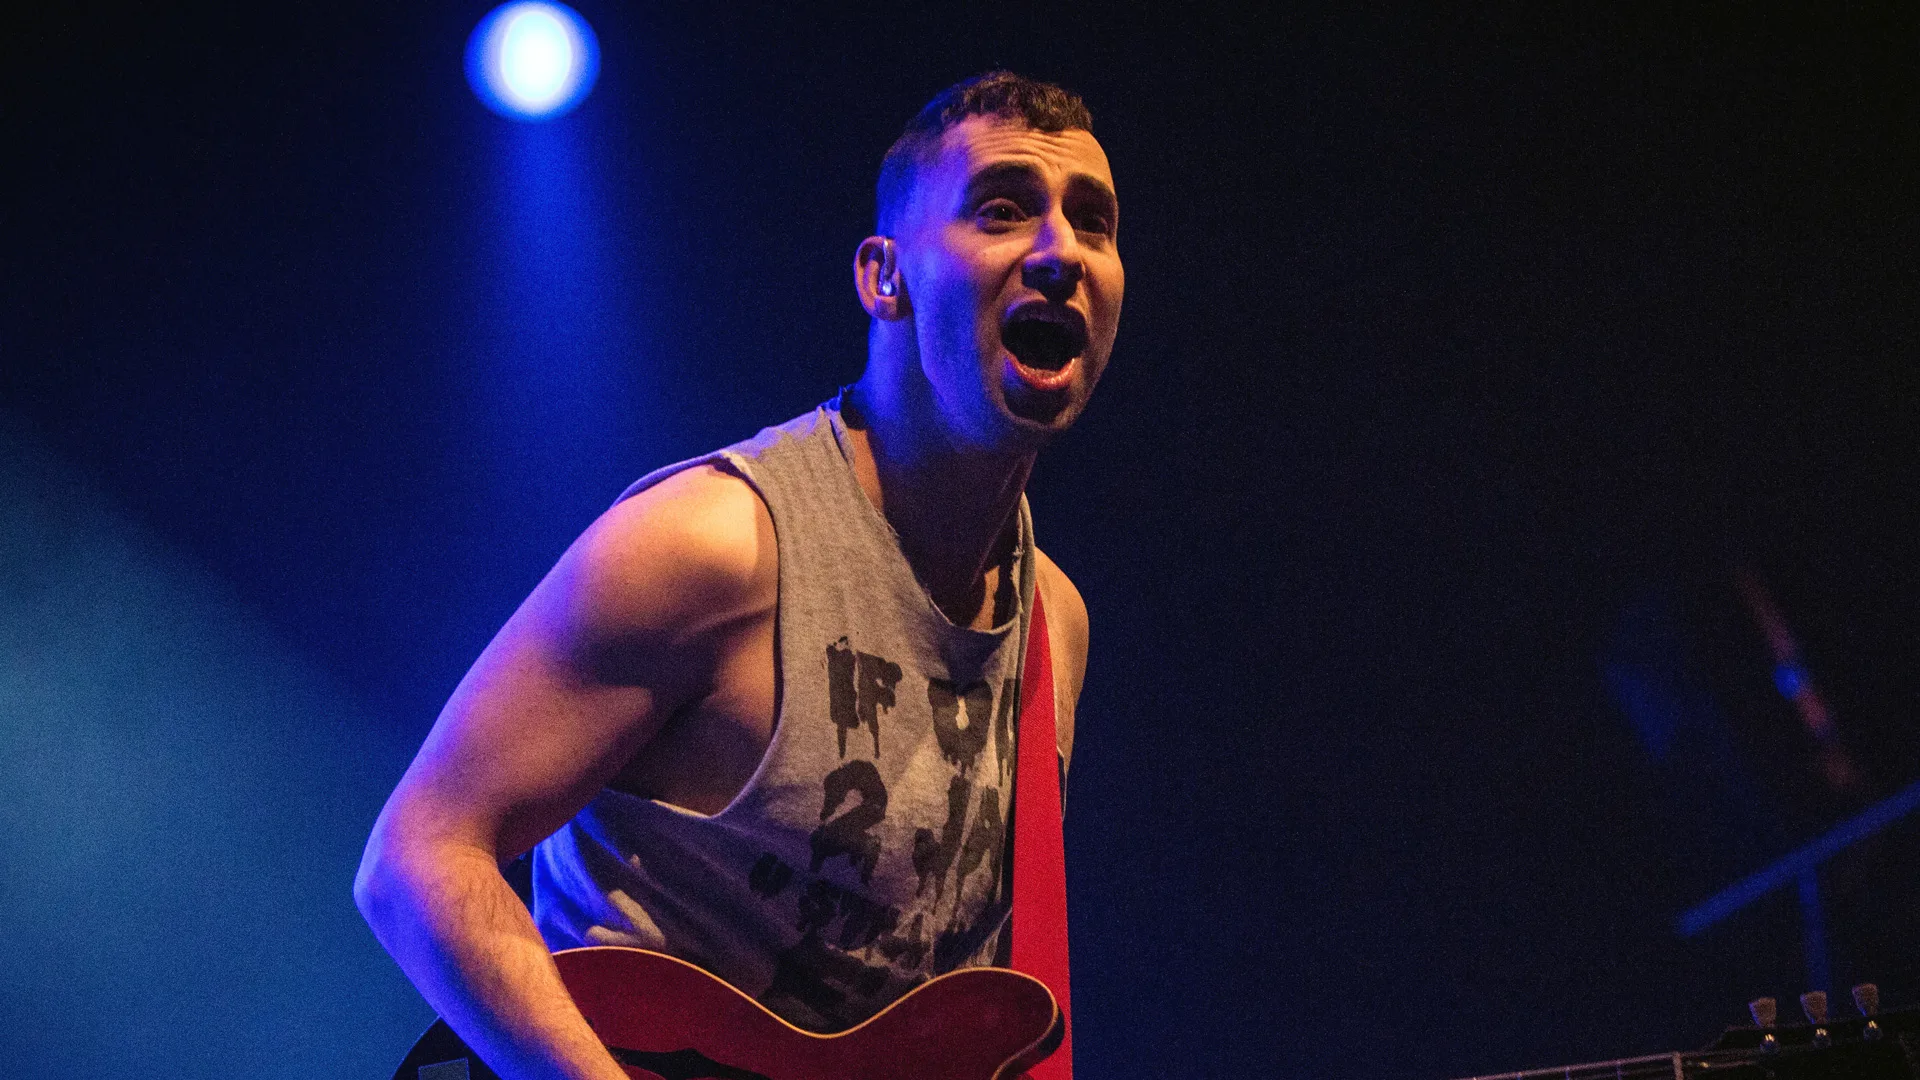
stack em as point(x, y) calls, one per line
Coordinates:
point(1675, 1066)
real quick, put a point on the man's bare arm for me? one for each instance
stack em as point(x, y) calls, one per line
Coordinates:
point(627, 629)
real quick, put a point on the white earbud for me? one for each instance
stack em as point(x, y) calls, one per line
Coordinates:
point(887, 286)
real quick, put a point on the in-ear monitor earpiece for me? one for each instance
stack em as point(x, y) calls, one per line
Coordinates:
point(887, 286)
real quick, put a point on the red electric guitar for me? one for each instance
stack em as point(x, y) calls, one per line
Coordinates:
point(664, 1019)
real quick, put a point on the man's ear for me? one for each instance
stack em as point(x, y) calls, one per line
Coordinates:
point(876, 277)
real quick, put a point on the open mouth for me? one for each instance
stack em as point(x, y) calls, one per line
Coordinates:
point(1044, 337)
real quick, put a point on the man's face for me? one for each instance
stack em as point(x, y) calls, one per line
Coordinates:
point(1011, 265)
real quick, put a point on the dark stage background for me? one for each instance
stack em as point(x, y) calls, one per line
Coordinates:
point(1466, 360)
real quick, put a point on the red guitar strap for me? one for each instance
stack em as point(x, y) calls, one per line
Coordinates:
point(1039, 850)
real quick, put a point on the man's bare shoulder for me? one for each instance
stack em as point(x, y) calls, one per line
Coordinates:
point(1066, 611)
point(1067, 629)
point(675, 561)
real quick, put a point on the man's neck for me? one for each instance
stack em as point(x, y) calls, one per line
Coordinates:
point(954, 508)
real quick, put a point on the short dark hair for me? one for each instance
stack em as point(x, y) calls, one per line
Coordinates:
point(1041, 106)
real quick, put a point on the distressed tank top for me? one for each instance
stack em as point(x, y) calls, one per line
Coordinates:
point(868, 852)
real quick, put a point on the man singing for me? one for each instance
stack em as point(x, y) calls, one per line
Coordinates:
point(760, 715)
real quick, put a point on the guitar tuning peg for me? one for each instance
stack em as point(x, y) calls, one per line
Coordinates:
point(1866, 998)
point(1814, 1004)
point(1765, 1011)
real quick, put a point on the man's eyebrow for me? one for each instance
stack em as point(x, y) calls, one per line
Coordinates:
point(1020, 173)
point(1000, 174)
point(1100, 188)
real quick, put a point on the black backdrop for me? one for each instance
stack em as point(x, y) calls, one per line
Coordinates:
point(1449, 339)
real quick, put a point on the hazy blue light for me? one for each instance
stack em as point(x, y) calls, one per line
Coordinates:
point(184, 798)
point(1802, 863)
point(532, 60)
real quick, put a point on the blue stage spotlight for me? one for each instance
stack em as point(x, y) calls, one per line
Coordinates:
point(532, 60)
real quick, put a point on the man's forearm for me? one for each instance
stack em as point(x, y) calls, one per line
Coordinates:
point(456, 928)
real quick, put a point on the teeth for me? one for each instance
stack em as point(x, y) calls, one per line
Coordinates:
point(1045, 315)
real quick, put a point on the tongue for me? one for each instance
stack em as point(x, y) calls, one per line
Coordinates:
point(1024, 379)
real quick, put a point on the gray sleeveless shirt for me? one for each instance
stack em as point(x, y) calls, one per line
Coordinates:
point(868, 851)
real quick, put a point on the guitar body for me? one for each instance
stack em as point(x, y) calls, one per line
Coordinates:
point(665, 1019)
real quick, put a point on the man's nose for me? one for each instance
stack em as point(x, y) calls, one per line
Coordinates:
point(1054, 267)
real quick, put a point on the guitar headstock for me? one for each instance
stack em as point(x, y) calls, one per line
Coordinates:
point(1868, 1046)
point(1872, 1045)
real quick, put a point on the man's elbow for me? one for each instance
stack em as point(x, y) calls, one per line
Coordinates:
point(389, 881)
point(407, 871)
point(373, 883)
